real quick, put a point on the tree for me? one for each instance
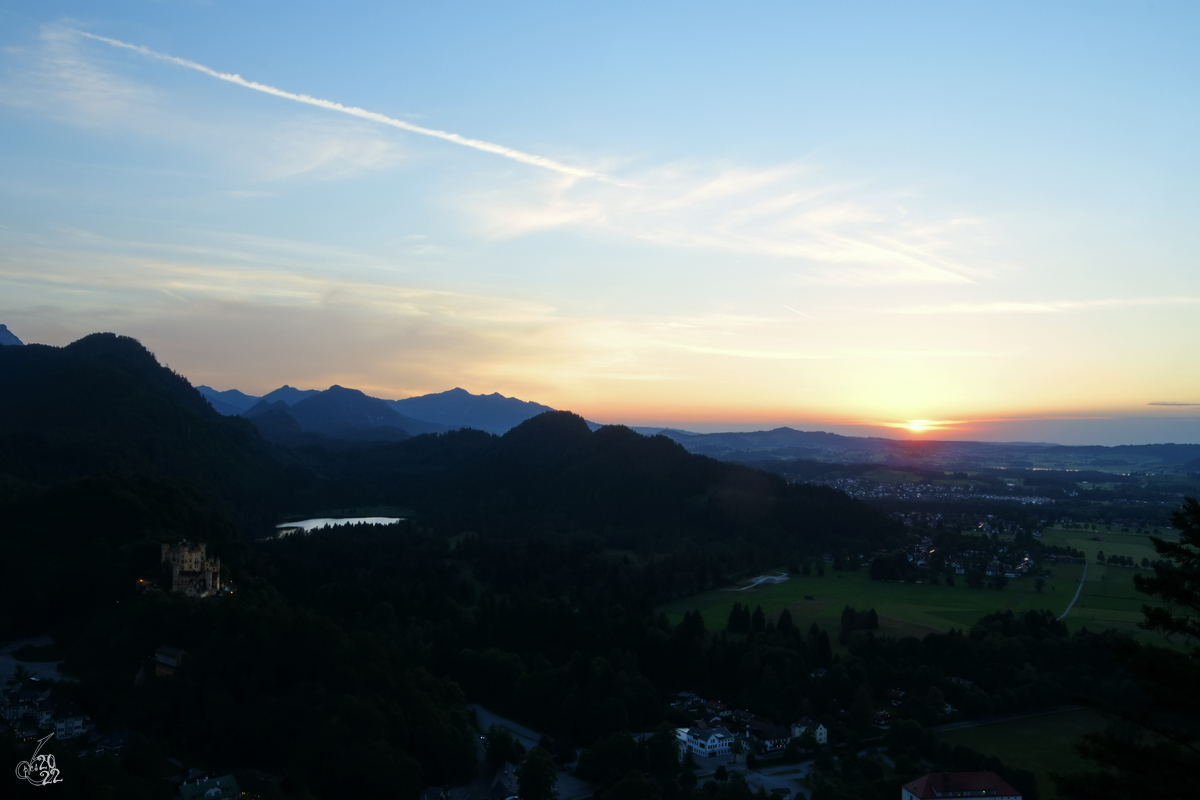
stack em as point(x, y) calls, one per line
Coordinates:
point(1156, 743)
point(721, 774)
point(736, 748)
point(19, 675)
point(634, 786)
point(662, 752)
point(501, 746)
point(735, 623)
point(537, 775)
point(687, 780)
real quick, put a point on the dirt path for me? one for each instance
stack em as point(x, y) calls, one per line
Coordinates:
point(1078, 591)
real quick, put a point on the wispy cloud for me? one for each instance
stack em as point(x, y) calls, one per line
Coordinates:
point(811, 228)
point(361, 113)
point(1174, 404)
point(1050, 307)
point(60, 79)
point(797, 224)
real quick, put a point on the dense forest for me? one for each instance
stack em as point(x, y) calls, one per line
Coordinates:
point(525, 577)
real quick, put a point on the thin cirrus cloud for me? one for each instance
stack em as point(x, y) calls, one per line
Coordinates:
point(1174, 405)
point(59, 80)
point(361, 113)
point(1051, 307)
point(808, 227)
point(825, 231)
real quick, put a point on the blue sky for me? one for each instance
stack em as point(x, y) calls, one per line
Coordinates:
point(845, 216)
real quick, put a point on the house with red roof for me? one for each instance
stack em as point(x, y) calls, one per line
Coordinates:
point(959, 785)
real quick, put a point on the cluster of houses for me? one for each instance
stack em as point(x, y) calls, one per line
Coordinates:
point(31, 711)
point(719, 730)
point(1014, 564)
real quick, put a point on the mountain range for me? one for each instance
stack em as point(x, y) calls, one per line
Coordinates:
point(293, 416)
point(340, 417)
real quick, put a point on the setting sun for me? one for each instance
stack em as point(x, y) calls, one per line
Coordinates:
point(922, 425)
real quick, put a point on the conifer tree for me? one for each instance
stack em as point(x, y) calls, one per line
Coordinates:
point(1159, 753)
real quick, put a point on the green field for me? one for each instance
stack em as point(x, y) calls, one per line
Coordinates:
point(1111, 541)
point(1039, 744)
point(908, 609)
point(904, 609)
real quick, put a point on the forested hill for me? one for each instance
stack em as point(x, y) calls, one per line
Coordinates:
point(104, 404)
point(552, 473)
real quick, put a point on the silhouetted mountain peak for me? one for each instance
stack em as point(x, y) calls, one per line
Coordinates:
point(290, 394)
point(7, 337)
point(457, 407)
point(112, 345)
point(548, 434)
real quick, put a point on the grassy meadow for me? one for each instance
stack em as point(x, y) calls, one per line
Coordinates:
point(1041, 744)
point(1109, 600)
point(904, 609)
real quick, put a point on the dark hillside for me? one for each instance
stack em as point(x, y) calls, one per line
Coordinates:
point(104, 403)
point(82, 544)
point(552, 474)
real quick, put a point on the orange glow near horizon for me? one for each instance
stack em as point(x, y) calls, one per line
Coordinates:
point(922, 425)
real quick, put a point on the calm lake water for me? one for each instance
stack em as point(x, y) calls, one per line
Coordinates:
point(310, 525)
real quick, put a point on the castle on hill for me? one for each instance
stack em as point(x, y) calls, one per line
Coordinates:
point(192, 572)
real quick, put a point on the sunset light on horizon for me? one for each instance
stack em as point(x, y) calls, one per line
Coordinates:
point(922, 222)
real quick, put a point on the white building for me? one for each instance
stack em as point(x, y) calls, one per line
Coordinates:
point(806, 724)
point(709, 742)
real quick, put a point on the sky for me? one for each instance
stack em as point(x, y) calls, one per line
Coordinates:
point(930, 219)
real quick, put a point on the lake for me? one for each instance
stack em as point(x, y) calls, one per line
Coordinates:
point(310, 525)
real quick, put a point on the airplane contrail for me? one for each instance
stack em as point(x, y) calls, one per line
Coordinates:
point(801, 313)
point(362, 113)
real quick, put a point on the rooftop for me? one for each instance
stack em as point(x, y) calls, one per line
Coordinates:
point(960, 784)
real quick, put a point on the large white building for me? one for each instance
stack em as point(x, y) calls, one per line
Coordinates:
point(709, 742)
